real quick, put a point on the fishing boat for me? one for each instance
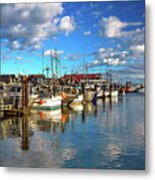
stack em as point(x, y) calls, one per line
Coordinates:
point(131, 89)
point(76, 104)
point(99, 92)
point(121, 91)
point(77, 108)
point(113, 93)
point(46, 103)
point(69, 93)
point(106, 93)
point(88, 95)
point(141, 90)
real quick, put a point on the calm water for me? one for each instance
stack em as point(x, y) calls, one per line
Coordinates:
point(108, 136)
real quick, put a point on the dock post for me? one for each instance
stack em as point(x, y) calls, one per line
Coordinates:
point(83, 88)
point(110, 91)
point(24, 94)
point(25, 139)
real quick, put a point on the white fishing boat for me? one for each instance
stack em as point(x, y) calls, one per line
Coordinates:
point(141, 90)
point(77, 108)
point(48, 103)
point(113, 93)
point(76, 104)
point(111, 100)
point(122, 92)
point(69, 93)
point(106, 93)
point(88, 95)
point(99, 92)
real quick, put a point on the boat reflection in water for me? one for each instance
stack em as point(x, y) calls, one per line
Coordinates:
point(108, 134)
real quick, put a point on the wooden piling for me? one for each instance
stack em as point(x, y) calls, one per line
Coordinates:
point(24, 94)
point(25, 139)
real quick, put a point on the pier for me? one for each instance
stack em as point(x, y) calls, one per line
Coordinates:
point(69, 88)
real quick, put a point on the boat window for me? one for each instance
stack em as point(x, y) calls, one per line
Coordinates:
point(15, 89)
point(18, 89)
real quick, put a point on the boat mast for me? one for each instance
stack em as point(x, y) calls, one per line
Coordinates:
point(42, 62)
point(83, 63)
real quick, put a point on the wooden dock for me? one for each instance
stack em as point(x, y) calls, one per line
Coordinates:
point(10, 111)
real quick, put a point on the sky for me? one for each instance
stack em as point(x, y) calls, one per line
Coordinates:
point(86, 37)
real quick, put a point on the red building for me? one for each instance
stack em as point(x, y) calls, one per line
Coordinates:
point(77, 78)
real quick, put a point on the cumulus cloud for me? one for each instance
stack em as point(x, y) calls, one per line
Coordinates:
point(133, 44)
point(78, 56)
point(137, 52)
point(67, 24)
point(110, 57)
point(112, 27)
point(87, 33)
point(128, 68)
point(137, 49)
point(18, 58)
point(37, 46)
point(72, 57)
point(53, 53)
point(136, 37)
point(133, 72)
point(28, 25)
point(14, 45)
point(111, 53)
point(47, 52)
point(101, 50)
point(114, 61)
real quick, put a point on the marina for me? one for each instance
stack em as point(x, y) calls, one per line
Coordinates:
point(72, 85)
point(74, 124)
point(22, 95)
point(64, 138)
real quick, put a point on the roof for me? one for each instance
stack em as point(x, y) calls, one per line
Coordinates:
point(35, 76)
point(7, 77)
point(79, 77)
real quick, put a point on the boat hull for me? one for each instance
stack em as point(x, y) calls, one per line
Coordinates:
point(88, 96)
point(76, 104)
point(47, 108)
point(113, 93)
point(47, 104)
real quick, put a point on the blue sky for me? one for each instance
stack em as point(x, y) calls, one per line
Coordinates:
point(86, 36)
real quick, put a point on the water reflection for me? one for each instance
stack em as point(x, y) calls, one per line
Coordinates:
point(25, 134)
point(107, 135)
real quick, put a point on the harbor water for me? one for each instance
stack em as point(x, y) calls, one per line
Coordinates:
point(106, 135)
